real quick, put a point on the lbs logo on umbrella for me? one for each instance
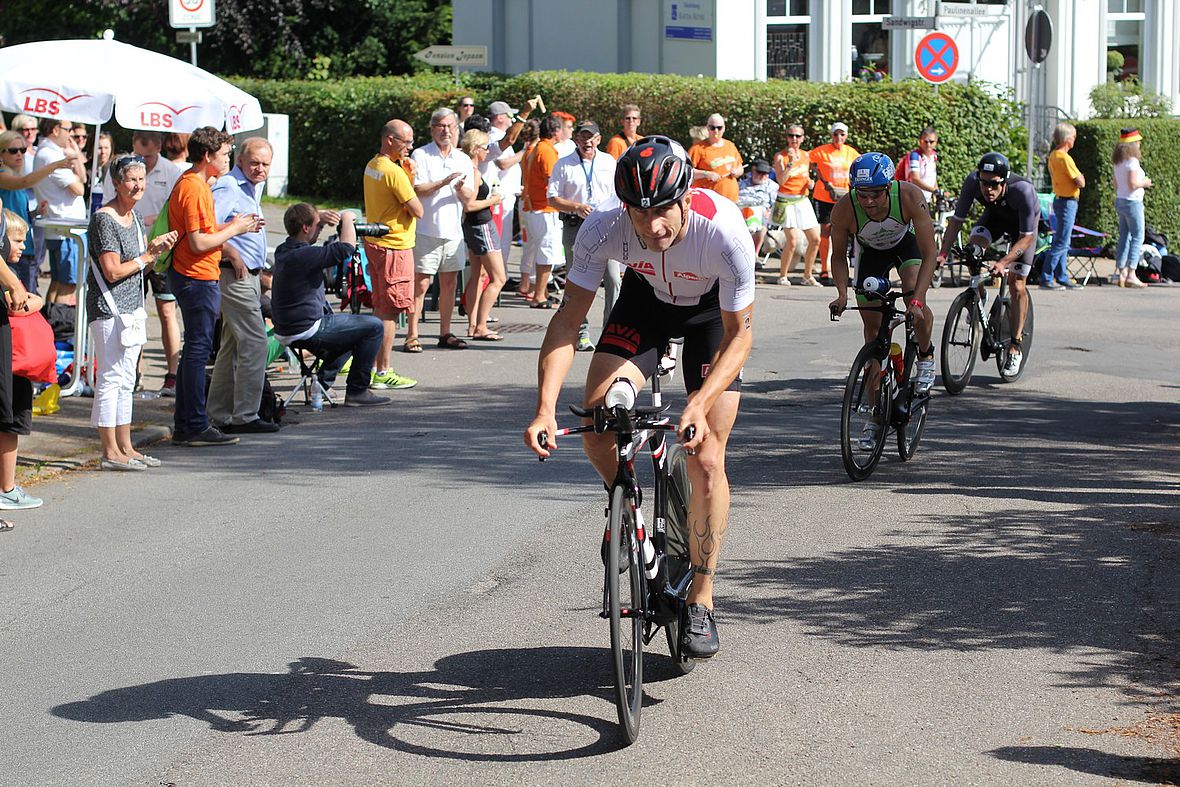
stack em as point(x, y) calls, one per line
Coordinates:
point(157, 114)
point(43, 101)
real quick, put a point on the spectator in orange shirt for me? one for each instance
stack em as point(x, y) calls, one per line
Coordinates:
point(830, 163)
point(792, 209)
point(194, 276)
point(716, 163)
point(540, 222)
point(618, 144)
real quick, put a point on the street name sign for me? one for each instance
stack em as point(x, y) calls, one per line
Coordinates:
point(454, 55)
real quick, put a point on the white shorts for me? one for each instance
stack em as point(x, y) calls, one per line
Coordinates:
point(800, 216)
point(438, 255)
point(543, 238)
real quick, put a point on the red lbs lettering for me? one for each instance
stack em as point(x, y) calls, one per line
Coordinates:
point(155, 120)
point(41, 106)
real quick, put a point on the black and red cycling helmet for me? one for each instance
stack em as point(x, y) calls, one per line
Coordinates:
point(653, 172)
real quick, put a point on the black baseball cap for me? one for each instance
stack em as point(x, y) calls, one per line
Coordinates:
point(761, 165)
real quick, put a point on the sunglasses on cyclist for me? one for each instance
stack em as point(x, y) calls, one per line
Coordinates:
point(989, 184)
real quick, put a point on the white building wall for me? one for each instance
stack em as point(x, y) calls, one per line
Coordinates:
point(629, 35)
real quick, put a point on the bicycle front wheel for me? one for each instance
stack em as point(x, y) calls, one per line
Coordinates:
point(1004, 329)
point(909, 433)
point(864, 417)
point(625, 603)
point(960, 343)
point(676, 545)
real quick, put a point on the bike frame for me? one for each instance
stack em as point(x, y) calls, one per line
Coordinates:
point(891, 317)
point(633, 430)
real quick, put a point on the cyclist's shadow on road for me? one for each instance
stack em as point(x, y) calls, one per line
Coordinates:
point(488, 705)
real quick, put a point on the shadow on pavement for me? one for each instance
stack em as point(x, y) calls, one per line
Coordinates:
point(485, 705)
point(1153, 770)
point(1061, 532)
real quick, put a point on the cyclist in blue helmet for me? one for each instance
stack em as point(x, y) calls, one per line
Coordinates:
point(890, 225)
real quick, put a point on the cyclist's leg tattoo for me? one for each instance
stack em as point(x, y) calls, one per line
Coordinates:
point(708, 543)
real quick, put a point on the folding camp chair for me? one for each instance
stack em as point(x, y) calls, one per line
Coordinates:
point(1080, 259)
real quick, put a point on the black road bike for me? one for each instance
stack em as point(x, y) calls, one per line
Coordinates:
point(647, 573)
point(881, 391)
point(973, 329)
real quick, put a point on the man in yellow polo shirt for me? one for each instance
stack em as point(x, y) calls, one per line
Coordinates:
point(390, 200)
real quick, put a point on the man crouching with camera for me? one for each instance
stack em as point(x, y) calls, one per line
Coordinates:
point(300, 309)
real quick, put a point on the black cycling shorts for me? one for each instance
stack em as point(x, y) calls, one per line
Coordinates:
point(640, 326)
point(879, 262)
point(823, 211)
point(992, 228)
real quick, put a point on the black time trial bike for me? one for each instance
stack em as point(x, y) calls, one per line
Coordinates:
point(973, 329)
point(647, 573)
point(881, 395)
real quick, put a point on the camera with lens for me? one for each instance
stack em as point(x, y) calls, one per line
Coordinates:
point(372, 230)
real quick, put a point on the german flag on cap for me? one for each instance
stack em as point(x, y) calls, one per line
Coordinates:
point(1130, 135)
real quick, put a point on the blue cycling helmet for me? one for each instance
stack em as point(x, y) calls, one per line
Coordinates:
point(871, 170)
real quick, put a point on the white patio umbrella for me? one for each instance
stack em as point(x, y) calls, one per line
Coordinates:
point(84, 81)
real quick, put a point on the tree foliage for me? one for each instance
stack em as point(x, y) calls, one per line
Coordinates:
point(282, 39)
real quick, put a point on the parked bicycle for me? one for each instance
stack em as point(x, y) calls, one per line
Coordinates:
point(942, 207)
point(972, 329)
point(647, 573)
point(877, 403)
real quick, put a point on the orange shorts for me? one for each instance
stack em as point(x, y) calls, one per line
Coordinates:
point(391, 273)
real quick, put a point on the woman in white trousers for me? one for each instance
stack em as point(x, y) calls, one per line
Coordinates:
point(119, 254)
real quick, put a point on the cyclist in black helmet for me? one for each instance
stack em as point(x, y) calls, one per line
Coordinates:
point(689, 272)
point(1010, 209)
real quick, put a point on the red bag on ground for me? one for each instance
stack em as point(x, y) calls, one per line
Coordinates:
point(34, 355)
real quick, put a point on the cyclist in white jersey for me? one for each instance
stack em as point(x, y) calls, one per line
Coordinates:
point(689, 272)
point(892, 229)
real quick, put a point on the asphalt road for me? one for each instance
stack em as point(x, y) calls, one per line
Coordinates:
point(404, 595)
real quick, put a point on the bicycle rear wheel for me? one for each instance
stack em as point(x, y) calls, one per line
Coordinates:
point(866, 402)
point(1004, 329)
point(960, 343)
point(625, 601)
point(676, 545)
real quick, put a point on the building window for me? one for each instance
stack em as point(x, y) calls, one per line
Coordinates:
point(1124, 34)
point(870, 41)
point(786, 8)
point(786, 38)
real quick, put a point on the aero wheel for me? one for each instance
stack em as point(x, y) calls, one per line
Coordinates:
point(909, 433)
point(1004, 330)
point(625, 603)
point(960, 342)
point(865, 414)
point(676, 544)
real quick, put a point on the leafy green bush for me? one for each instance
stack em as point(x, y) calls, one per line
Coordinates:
point(1161, 161)
point(334, 124)
point(1128, 99)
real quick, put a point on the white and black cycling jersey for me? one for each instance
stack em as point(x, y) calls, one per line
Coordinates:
point(716, 250)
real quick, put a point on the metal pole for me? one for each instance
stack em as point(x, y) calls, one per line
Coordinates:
point(192, 45)
point(1032, 110)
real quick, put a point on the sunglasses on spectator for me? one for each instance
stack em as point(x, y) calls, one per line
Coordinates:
point(465, 104)
point(716, 128)
point(795, 136)
point(635, 118)
point(15, 150)
point(79, 136)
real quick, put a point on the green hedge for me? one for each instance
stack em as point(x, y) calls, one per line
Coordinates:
point(1161, 161)
point(334, 125)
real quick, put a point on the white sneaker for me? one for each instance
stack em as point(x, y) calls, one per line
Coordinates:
point(1012, 367)
point(783, 281)
point(868, 437)
point(925, 375)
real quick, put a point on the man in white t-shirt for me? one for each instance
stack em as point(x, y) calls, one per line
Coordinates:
point(62, 194)
point(504, 162)
point(581, 183)
point(441, 171)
